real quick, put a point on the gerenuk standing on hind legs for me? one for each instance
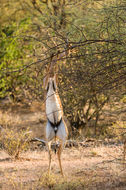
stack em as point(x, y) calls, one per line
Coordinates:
point(56, 127)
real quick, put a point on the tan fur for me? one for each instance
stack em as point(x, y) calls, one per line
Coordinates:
point(124, 151)
point(54, 112)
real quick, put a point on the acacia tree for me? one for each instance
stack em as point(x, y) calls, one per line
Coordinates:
point(93, 37)
point(98, 67)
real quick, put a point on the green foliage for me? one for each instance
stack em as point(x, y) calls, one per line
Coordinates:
point(94, 67)
point(117, 130)
point(12, 57)
point(99, 65)
point(123, 99)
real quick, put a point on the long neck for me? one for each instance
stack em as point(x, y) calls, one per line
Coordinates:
point(53, 106)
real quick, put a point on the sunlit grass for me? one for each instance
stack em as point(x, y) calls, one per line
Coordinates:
point(45, 181)
point(14, 142)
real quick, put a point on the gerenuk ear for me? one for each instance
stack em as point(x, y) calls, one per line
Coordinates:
point(45, 81)
point(55, 78)
point(46, 77)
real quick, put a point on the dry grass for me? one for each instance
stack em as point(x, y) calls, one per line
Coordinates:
point(14, 142)
point(7, 119)
point(23, 117)
point(91, 167)
point(85, 168)
point(124, 151)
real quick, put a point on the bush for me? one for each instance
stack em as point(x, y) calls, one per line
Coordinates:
point(118, 130)
point(14, 142)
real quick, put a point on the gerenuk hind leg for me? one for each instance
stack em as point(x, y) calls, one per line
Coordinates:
point(49, 136)
point(61, 135)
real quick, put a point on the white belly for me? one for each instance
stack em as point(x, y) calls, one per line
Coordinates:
point(53, 109)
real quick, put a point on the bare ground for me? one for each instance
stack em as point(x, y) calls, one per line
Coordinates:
point(93, 167)
point(84, 168)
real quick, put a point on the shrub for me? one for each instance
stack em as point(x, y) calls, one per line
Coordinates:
point(118, 130)
point(14, 142)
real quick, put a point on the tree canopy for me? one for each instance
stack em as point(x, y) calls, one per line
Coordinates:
point(92, 36)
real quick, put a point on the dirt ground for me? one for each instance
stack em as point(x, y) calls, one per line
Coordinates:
point(94, 167)
point(91, 167)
